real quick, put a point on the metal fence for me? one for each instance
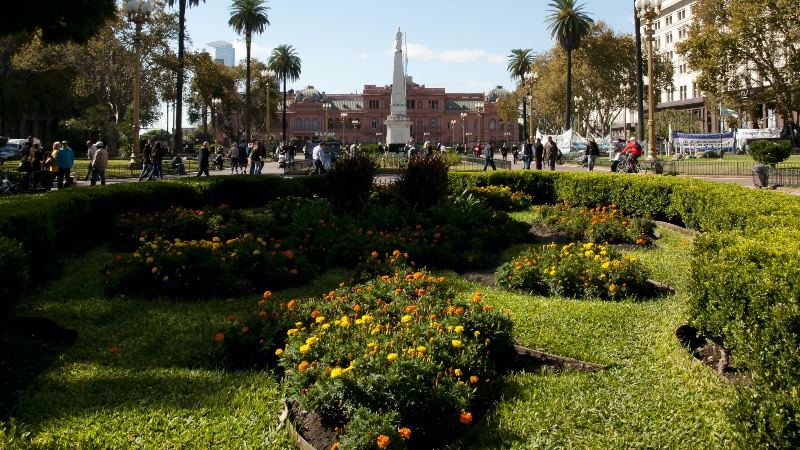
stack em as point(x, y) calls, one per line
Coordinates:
point(723, 168)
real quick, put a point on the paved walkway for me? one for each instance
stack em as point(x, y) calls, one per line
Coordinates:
point(271, 168)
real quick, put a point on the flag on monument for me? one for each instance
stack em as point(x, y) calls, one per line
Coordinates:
point(725, 112)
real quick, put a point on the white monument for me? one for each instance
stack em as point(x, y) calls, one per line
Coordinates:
point(398, 124)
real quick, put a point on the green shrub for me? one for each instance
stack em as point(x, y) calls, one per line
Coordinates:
point(770, 152)
point(14, 269)
point(424, 183)
point(350, 183)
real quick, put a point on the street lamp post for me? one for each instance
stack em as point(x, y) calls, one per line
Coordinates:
point(344, 117)
point(453, 128)
point(480, 120)
point(578, 105)
point(625, 90)
point(356, 123)
point(463, 130)
point(378, 137)
point(138, 12)
point(268, 76)
point(325, 108)
point(649, 10)
point(216, 103)
point(531, 77)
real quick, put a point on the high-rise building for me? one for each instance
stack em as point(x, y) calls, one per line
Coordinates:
point(222, 52)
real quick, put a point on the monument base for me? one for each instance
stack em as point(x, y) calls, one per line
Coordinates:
point(398, 129)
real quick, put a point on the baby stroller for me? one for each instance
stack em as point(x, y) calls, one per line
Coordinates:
point(282, 160)
point(216, 161)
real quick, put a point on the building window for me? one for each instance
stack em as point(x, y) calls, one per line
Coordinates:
point(475, 125)
point(681, 14)
point(298, 124)
point(315, 125)
point(694, 90)
point(410, 104)
point(492, 125)
point(420, 125)
point(306, 124)
point(373, 124)
point(682, 33)
point(668, 20)
point(433, 104)
point(669, 37)
point(434, 124)
point(500, 126)
point(374, 104)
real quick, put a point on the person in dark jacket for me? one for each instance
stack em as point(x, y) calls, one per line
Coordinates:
point(592, 152)
point(202, 158)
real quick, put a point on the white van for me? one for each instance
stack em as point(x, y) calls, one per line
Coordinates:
point(13, 148)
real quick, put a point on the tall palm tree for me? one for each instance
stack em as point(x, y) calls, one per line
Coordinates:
point(248, 17)
point(286, 64)
point(182, 4)
point(568, 24)
point(519, 63)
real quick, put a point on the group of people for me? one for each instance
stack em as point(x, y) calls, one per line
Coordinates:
point(540, 154)
point(153, 161)
point(45, 167)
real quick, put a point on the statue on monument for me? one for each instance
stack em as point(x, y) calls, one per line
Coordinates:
point(398, 41)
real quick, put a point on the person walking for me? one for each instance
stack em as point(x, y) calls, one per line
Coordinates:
point(527, 154)
point(592, 152)
point(317, 155)
point(488, 155)
point(157, 168)
point(147, 160)
point(99, 164)
point(91, 148)
point(202, 158)
point(538, 153)
point(504, 151)
point(550, 153)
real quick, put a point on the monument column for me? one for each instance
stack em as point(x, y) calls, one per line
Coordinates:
point(398, 124)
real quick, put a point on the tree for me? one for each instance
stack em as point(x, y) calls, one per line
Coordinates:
point(213, 80)
point(248, 17)
point(286, 64)
point(568, 24)
point(182, 4)
point(751, 45)
point(519, 64)
point(59, 21)
point(679, 121)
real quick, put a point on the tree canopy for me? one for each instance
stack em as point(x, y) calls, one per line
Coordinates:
point(59, 21)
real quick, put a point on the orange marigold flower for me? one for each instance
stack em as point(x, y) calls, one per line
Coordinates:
point(303, 366)
point(292, 304)
point(374, 254)
point(219, 337)
point(404, 433)
point(465, 417)
point(244, 329)
point(315, 313)
point(612, 288)
point(335, 446)
point(114, 349)
point(383, 441)
point(293, 272)
point(267, 294)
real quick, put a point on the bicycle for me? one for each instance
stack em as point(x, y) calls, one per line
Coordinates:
point(6, 186)
point(628, 166)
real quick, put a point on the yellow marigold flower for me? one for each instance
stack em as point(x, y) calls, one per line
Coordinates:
point(326, 326)
point(279, 352)
point(335, 373)
point(149, 260)
point(320, 319)
point(459, 329)
point(552, 273)
point(476, 333)
point(406, 319)
point(292, 332)
point(383, 441)
point(303, 366)
point(457, 372)
point(421, 349)
point(166, 278)
point(256, 252)
point(392, 356)
point(606, 265)
point(345, 322)
point(305, 348)
point(312, 340)
point(366, 319)
point(404, 433)
point(456, 343)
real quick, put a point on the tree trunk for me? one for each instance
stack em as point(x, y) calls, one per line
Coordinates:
point(569, 90)
point(283, 137)
point(179, 88)
point(247, 90)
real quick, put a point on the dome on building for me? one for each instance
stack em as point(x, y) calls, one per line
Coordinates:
point(309, 93)
point(498, 93)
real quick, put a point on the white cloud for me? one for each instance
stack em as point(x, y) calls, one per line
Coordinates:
point(259, 52)
point(363, 56)
point(416, 51)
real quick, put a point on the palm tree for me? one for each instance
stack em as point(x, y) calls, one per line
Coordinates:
point(248, 17)
point(286, 64)
point(568, 24)
point(519, 63)
point(182, 4)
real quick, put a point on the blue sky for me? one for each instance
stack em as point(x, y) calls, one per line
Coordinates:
point(462, 46)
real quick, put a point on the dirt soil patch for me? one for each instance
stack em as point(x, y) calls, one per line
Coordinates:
point(710, 353)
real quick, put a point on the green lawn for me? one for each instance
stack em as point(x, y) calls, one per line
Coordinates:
point(144, 374)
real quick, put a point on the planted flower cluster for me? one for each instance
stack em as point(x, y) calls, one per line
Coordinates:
point(402, 359)
point(576, 270)
point(598, 225)
point(502, 198)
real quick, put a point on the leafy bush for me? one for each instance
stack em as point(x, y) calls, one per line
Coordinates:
point(424, 183)
point(574, 270)
point(770, 152)
point(14, 268)
point(502, 198)
point(350, 183)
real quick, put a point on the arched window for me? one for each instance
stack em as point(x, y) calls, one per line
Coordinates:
point(307, 124)
point(492, 124)
point(298, 124)
point(500, 125)
point(373, 123)
point(315, 125)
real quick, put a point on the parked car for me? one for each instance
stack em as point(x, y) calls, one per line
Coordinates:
point(13, 149)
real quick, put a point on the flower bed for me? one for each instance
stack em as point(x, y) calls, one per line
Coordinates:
point(575, 270)
point(401, 360)
point(502, 198)
point(598, 225)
